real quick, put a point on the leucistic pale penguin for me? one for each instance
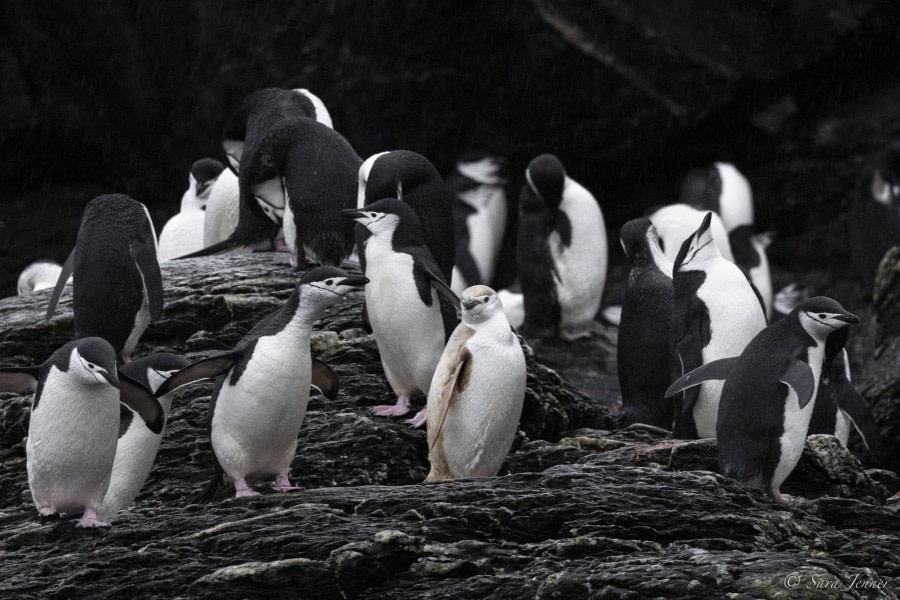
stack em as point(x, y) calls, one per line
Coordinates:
point(715, 314)
point(476, 395)
point(478, 186)
point(262, 386)
point(39, 275)
point(117, 285)
point(677, 222)
point(875, 215)
point(183, 233)
point(562, 252)
point(838, 405)
point(722, 189)
point(138, 443)
point(769, 394)
point(403, 300)
point(74, 422)
point(644, 349)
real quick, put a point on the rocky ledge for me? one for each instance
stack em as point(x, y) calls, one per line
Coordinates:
point(580, 510)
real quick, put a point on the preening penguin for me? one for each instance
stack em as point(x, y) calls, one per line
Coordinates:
point(677, 222)
point(117, 285)
point(562, 252)
point(476, 395)
point(403, 300)
point(644, 350)
point(74, 423)
point(183, 233)
point(222, 209)
point(262, 386)
point(722, 189)
point(875, 215)
point(478, 187)
point(769, 394)
point(715, 314)
point(37, 276)
point(138, 444)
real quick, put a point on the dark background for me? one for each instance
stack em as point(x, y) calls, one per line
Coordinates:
point(102, 97)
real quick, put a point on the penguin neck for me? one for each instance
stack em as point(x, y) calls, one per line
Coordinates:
point(306, 312)
point(378, 245)
point(495, 326)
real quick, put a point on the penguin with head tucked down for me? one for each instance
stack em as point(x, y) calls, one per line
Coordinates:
point(562, 252)
point(117, 285)
point(254, 434)
point(73, 427)
point(722, 189)
point(39, 275)
point(183, 233)
point(769, 394)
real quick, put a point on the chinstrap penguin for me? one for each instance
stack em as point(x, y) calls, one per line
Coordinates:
point(183, 233)
point(39, 275)
point(749, 250)
point(722, 189)
point(676, 222)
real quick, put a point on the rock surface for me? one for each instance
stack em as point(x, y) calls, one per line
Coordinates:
point(580, 511)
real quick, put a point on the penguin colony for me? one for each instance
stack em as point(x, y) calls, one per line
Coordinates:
point(705, 349)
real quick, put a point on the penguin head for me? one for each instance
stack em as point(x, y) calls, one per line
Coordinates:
point(482, 168)
point(820, 316)
point(204, 173)
point(399, 172)
point(154, 369)
point(363, 178)
point(92, 361)
point(547, 178)
point(384, 217)
point(698, 248)
point(635, 234)
point(324, 286)
point(479, 303)
point(885, 184)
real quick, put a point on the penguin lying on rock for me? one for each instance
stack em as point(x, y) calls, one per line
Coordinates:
point(183, 233)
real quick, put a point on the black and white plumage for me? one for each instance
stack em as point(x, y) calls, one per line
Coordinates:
point(787, 299)
point(183, 233)
point(562, 252)
point(875, 215)
point(74, 422)
point(138, 444)
point(478, 186)
point(403, 300)
point(39, 275)
point(117, 285)
point(262, 386)
point(644, 349)
point(715, 314)
point(769, 394)
point(676, 222)
point(749, 249)
point(723, 189)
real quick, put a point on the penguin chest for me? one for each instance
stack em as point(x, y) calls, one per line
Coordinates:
point(222, 209)
point(72, 443)
point(135, 452)
point(842, 427)
point(409, 334)
point(486, 226)
point(181, 235)
point(141, 322)
point(257, 418)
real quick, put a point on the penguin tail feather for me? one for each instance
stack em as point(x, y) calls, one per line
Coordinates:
point(215, 486)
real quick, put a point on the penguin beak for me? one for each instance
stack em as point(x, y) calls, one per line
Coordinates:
point(355, 281)
point(848, 318)
point(112, 378)
point(470, 304)
point(352, 213)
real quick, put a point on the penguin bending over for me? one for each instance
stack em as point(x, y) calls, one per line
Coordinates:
point(222, 209)
point(183, 233)
point(138, 444)
point(722, 189)
point(117, 285)
point(403, 300)
point(715, 314)
point(562, 252)
point(476, 395)
point(254, 434)
point(769, 394)
point(73, 426)
point(644, 349)
point(39, 275)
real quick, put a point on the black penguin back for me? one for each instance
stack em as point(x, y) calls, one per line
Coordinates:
point(702, 188)
point(206, 169)
point(824, 417)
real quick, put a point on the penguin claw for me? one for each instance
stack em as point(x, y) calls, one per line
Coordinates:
point(283, 484)
point(248, 493)
point(570, 334)
point(419, 419)
point(779, 497)
point(89, 520)
point(390, 410)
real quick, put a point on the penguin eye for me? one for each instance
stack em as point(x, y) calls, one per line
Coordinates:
point(486, 298)
point(822, 315)
point(329, 281)
point(91, 366)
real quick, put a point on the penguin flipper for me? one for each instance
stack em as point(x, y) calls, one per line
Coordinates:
point(427, 266)
point(19, 380)
point(799, 377)
point(208, 368)
point(449, 393)
point(711, 371)
point(144, 255)
point(325, 379)
point(60, 285)
point(139, 399)
point(853, 405)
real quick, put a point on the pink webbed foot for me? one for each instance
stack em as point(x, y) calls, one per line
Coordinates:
point(46, 511)
point(283, 484)
point(281, 245)
point(570, 334)
point(396, 410)
point(419, 419)
point(89, 519)
point(242, 490)
point(779, 497)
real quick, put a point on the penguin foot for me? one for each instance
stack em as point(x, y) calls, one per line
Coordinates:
point(779, 497)
point(89, 520)
point(283, 484)
point(419, 419)
point(46, 511)
point(570, 334)
point(393, 410)
point(242, 490)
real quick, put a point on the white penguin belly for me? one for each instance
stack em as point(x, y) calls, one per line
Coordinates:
point(222, 209)
point(410, 335)
point(481, 424)
point(182, 234)
point(141, 322)
point(256, 421)
point(486, 227)
point(796, 422)
point(135, 453)
point(71, 445)
point(580, 268)
point(842, 427)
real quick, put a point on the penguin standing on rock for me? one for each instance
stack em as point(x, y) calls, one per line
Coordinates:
point(117, 285)
point(262, 386)
point(715, 314)
point(769, 394)
point(73, 426)
point(643, 349)
point(183, 233)
point(476, 395)
point(562, 252)
point(403, 300)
